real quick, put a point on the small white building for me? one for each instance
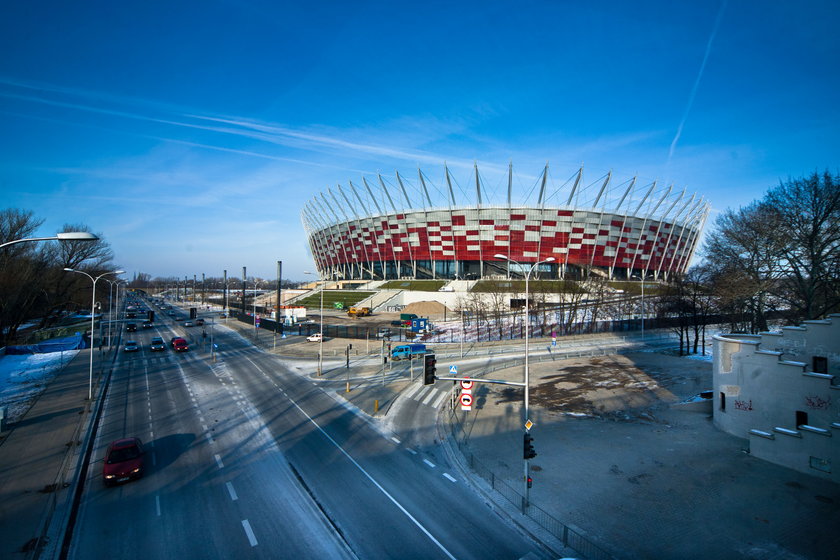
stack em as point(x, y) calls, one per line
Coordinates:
point(782, 391)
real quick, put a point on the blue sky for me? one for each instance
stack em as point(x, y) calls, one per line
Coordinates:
point(190, 134)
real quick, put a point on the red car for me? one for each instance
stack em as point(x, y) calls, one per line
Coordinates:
point(123, 461)
point(180, 345)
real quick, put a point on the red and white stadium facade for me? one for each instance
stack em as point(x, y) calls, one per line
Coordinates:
point(622, 230)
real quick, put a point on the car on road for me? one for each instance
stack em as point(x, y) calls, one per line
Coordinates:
point(223, 315)
point(157, 344)
point(180, 345)
point(384, 332)
point(199, 322)
point(123, 461)
point(147, 325)
point(317, 337)
point(188, 323)
point(130, 346)
point(131, 327)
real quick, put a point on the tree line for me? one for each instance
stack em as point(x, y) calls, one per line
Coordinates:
point(34, 287)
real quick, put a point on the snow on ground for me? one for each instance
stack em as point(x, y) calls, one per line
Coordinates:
point(24, 376)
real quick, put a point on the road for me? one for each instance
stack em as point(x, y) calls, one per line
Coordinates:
point(247, 458)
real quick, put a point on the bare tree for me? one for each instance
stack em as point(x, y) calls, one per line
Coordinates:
point(807, 226)
point(744, 247)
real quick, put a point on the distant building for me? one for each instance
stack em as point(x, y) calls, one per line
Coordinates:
point(389, 230)
point(782, 391)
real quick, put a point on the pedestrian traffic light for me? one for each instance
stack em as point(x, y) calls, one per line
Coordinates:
point(429, 362)
point(530, 482)
point(529, 452)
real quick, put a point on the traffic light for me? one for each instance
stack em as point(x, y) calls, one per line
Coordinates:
point(530, 482)
point(529, 452)
point(429, 362)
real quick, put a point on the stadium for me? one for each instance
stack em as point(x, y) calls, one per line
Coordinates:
point(444, 229)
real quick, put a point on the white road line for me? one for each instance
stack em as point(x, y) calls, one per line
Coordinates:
point(219, 461)
point(395, 440)
point(410, 450)
point(429, 463)
point(447, 475)
point(440, 400)
point(413, 390)
point(157, 505)
point(375, 483)
point(430, 396)
point(231, 491)
point(251, 538)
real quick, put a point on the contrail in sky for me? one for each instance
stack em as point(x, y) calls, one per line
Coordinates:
point(697, 81)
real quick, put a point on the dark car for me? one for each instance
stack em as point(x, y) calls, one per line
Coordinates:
point(157, 344)
point(199, 322)
point(123, 461)
point(131, 346)
point(147, 325)
point(131, 327)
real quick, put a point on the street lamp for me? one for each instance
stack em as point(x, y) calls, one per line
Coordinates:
point(64, 236)
point(92, 306)
point(642, 280)
point(321, 341)
point(110, 306)
point(527, 327)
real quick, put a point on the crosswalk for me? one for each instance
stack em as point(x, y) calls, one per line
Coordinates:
point(426, 394)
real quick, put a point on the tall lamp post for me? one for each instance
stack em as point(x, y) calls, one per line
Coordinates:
point(320, 342)
point(642, 280)
point(92, 306)
point(527, 381)
point(110, 306)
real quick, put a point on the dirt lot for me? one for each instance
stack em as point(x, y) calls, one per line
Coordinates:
point(646, 479)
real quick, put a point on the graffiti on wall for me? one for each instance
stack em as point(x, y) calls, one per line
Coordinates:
point(743, 405)
point(817, 403)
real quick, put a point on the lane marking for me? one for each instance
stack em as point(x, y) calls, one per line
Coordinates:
point(231, 491)
point(432, 394)
point(410, 450)
point(375, 483)
point(395, 440)
point(440, 400)
point(157, 504)
point(447, 475)
point(410, 393)
point(251, 538)
point(219, 461)
point(429, 463)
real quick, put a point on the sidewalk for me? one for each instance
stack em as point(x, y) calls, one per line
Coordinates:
point(37, 459)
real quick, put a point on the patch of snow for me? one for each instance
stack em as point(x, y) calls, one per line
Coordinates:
point(24, 376)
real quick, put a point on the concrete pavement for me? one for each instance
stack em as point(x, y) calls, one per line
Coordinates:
point(37, 459)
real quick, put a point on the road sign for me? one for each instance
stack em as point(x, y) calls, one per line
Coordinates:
point(466, 384)
point(453, 370)
point(466, 401)
point(529, 425)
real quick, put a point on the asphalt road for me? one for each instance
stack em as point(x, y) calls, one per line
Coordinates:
point(248, 458)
